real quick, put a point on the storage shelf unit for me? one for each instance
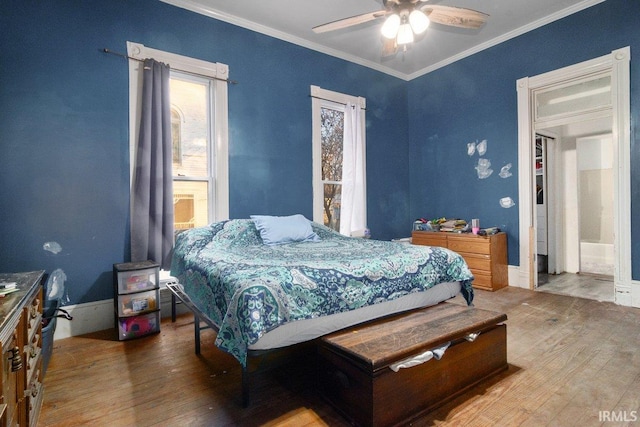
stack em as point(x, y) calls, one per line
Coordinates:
point(486, 256)
point(136, 299)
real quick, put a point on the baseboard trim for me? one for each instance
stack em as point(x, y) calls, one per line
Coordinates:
point(515, 277)
point(99, 315)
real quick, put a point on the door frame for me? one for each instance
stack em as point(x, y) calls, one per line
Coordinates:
point(617, 64)
point(552, 199)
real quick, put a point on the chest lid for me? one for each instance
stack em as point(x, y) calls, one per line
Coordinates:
point(377, 344)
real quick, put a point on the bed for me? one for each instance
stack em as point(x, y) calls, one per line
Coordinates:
point(263, 291)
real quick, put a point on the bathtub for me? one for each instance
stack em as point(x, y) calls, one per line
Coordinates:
point(596, 258)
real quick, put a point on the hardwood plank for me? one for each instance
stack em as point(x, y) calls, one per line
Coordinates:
point(569, 358)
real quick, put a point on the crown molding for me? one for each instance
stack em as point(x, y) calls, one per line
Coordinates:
point(197, 7)
point(262, 29)
point(507, 36)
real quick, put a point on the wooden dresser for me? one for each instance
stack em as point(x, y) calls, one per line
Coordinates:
point(21, 349)
point(486, 256)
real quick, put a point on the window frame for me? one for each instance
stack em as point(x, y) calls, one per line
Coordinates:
point(323, 98)
point(219, 73)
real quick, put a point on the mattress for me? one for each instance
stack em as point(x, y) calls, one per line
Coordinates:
point(261, 296)
point(309, 329)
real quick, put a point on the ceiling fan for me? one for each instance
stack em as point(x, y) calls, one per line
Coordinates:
point(406, 18)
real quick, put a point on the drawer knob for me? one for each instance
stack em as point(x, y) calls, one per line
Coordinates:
point(35, 308)
point(34, 390)
point(16, 359)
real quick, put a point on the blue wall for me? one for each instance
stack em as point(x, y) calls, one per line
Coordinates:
point(64, 149)
point(64, 153)
point(475, 99)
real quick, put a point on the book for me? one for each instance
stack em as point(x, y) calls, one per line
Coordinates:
point(8, 285)
point(5, 292)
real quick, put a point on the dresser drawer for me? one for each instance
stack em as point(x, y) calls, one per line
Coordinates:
point(473, 245)
point(477, 262)
point(486, 256)
point(482, 280)
point(33, 399)
point(429, 238)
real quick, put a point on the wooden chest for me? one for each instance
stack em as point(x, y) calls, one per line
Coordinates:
point(355, 374)
point(486, 256)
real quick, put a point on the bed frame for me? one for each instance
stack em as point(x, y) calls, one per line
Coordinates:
point(272, 357)
point(198, 317)
point(255, 356)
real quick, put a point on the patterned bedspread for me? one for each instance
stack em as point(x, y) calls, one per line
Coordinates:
point(248, 288)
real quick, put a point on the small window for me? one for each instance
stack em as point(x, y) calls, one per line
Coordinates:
point(332, 129)
point(328, 111)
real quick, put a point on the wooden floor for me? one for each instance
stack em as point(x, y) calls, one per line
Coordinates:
point(573, 362)
point(590, 286)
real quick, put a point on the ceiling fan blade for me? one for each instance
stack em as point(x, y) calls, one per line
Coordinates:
point(455, 16)
point(347, 22)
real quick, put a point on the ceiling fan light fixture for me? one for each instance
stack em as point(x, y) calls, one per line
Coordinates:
point(419, 21)
point(391, 26)
point(405, 34)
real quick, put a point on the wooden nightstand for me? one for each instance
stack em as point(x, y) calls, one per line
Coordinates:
point(486, 256)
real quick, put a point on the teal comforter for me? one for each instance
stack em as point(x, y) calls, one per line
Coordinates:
point(248, 288)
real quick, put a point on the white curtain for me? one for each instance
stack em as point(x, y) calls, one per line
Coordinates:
point(353, 207)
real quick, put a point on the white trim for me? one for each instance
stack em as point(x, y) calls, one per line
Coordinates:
point(215, 70)
point(635, 294)
point(616, 63)
point(340, 98)
point(198, 7)
point(89, 317)
point(620, 96)
point(525, 182)
point(99, 315)
point(320, 98)
point(513, 272)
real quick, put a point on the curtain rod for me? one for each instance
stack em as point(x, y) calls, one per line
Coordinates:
point(325, 99)
point(106, 50)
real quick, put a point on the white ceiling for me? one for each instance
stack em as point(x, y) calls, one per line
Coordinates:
point(293, 20)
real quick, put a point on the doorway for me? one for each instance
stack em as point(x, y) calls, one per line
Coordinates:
point(574, 209)
point(587, 93)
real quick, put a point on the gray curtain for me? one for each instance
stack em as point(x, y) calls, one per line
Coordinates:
point(152, 210)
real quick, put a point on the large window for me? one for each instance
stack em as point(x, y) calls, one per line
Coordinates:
point(199, 130)
point(328, 109)
point(193, 165)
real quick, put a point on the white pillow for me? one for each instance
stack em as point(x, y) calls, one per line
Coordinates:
point(277, 230)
